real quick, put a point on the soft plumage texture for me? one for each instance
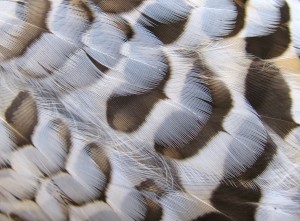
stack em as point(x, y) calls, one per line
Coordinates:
point(149, 110)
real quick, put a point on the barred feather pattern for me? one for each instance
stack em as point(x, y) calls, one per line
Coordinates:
point(150, 110)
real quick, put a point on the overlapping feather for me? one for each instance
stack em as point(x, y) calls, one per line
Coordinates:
point(149, 110)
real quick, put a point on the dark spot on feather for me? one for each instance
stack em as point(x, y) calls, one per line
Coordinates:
point(268, 93)
point(274, 44)
point(117, 6)
point(167, 33)
point(128, 112)
point(236, 201)
point(213, 217)
point(22, 117)
point(221, 105)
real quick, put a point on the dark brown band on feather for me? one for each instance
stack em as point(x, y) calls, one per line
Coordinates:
point(240, 18)
point(221, 105)
point(262, 162)
point(34, 26)
point(127, 113)
point(236, 201)
point(274, 44)
point(167, 33)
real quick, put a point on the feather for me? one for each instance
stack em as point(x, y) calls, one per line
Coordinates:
point(149, 110)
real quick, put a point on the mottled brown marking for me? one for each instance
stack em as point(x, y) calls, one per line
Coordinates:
point(22, 117)
point(128, 113)
point(274, 44)
point(36, 11)
point(118, 6)
point(269, 95)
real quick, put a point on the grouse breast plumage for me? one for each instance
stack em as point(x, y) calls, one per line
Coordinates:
point(150, 110)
